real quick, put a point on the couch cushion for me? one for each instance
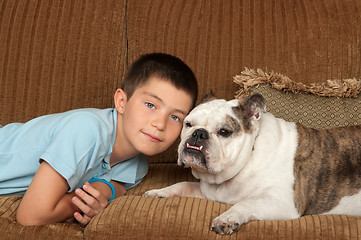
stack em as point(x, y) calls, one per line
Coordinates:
point(135, 217)
point(327, 105)
point(9, 229)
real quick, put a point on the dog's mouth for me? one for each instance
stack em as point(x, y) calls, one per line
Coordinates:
point(194, 156)
point(195, 150)
point(198, 148)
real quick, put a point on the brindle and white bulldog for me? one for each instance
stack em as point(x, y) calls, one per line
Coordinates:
point(267, 168)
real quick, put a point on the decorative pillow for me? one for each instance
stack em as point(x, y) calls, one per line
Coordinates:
point(335, 103)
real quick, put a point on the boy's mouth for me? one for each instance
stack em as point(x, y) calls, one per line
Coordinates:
point(151, 137)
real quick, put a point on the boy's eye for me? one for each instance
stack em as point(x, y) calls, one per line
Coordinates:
point(150, 105)
point(174, 117)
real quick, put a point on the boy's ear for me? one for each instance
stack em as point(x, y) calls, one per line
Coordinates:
point(120, 99)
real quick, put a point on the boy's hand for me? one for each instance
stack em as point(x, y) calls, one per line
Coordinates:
point(90, 201)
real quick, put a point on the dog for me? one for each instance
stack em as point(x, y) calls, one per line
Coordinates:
point(266, 167)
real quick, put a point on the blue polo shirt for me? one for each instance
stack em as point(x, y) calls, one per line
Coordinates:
point(77, 144)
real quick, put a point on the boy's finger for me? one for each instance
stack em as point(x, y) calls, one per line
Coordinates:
point(83, 220)
point(95, 193)
point(83, 207)
point(86, 197)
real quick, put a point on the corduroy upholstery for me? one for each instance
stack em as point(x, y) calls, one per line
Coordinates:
point(61, 55)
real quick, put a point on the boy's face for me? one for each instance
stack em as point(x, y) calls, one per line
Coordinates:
point(151, 120)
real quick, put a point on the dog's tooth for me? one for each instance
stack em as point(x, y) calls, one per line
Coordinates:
point(200, 148)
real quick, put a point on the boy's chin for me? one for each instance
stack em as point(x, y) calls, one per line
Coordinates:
point(151, 152)
point(149, 148)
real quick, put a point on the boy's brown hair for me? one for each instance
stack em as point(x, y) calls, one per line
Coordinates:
point(164, 66)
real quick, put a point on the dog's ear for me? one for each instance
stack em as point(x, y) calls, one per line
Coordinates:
point(208, 97)
point(254, 105)
point(249, 110)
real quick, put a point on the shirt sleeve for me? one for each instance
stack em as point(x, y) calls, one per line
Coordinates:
point(72, 147)
point(130, 172)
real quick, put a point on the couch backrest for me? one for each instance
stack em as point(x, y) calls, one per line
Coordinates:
point(60, 55)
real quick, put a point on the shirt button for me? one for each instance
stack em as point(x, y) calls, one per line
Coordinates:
point(105, 165)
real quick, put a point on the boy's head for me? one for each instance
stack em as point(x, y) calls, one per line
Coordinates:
point(158, 92)
point(163, 66)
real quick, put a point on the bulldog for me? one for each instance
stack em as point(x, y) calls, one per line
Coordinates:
point(266, 167)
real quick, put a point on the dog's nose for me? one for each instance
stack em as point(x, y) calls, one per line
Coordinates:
point(200, 134)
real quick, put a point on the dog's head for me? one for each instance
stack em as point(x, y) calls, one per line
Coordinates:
point(218, 136)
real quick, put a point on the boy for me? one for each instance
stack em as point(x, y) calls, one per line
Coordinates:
point(75, 162)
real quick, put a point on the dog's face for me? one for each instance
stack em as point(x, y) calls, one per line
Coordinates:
point(218, 136)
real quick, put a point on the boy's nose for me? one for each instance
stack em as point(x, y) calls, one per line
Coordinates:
point(159, 122)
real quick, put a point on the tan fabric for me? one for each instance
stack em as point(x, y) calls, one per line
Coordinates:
point(59, 55)
point(309, 41)
point(328, 88)
point(134, 217)
point(9, 229)
point(190, 218)
point(310, 110)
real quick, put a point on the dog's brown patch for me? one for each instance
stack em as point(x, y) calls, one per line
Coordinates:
point(231, 124)
point(327, 167)
point(241, 115)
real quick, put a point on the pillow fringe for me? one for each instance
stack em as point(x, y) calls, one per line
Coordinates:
point(345, 88)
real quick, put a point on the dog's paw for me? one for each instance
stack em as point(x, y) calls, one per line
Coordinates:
point(157, 193)
point(228, 222)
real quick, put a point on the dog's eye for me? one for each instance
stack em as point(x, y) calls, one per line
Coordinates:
point(224, 132)
point(188, 124)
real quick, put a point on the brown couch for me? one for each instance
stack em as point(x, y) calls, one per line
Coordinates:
point(60, 55)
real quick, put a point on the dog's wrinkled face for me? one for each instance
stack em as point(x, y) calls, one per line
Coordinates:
point(218, 136)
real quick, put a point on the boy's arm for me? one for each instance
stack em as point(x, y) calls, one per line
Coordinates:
point(47, 201)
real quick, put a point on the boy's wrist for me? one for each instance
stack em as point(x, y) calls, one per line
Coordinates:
point(107, 183)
